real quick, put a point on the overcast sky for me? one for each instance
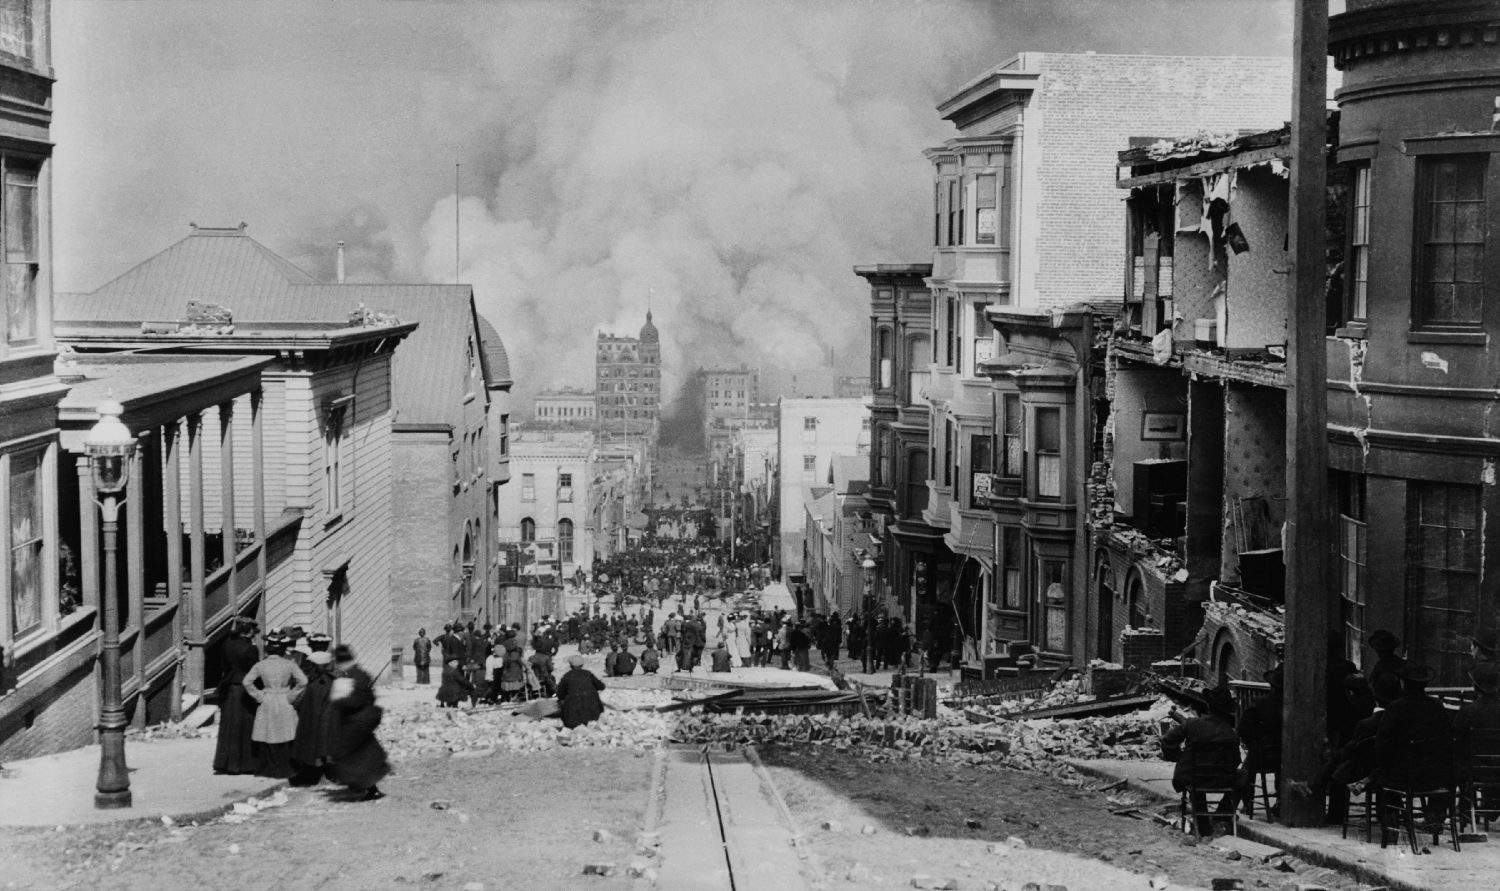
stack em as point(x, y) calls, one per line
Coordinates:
point(725, 163)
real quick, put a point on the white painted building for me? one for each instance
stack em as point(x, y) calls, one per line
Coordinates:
point(810, 432)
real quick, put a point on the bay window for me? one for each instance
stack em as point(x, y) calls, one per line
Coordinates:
point(26, 543)
point(22, 250)
point(1048, 445)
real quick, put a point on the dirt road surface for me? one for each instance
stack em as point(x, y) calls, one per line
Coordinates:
point(955, 814)
point(508, 821)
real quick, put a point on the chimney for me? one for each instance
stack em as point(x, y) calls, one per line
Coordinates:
point(340, 272)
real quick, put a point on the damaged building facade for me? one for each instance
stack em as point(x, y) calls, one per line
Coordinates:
point(1189, 474)
point(1026, 223)
point(1184, 461)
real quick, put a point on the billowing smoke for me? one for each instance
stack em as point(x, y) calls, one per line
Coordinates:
point(721, 164)
point(682, 418)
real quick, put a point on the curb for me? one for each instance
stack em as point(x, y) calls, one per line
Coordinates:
point(1256, 831)
point(181, 818)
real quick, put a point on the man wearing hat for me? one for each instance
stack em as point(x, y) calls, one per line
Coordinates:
point(1207, 753)
point(578, 694)
point(421, 656)
point(1413, 742)
point(1386, 646)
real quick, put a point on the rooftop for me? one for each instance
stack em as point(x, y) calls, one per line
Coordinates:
point(242, 289)
point(153, 389)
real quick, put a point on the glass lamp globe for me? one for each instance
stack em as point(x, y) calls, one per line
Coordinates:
point(109, 446)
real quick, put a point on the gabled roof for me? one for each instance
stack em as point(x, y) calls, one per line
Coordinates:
point(430, 375)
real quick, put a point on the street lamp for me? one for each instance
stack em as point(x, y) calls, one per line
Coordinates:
point(869, 567)
point(109, 447)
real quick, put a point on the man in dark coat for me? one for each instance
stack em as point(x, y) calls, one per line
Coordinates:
point(476, 650)
point(359, 761)
point(799, 642)
point(421, 652)
point(1386, 645)
point(1414, 741)
point(1207, 753)
point(449, 643)
point(578, 694)
point(312, 749)
point(232, 751)
point(454, 686)
point(625, 662)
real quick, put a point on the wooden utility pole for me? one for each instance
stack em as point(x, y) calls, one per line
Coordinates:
point(1307, 595)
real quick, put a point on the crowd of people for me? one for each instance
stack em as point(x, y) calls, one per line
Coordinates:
point(299, 709)
point(1384, 727)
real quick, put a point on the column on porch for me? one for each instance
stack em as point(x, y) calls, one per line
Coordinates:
point(171, 444)
point(194, 618)
point(135, 571)
point(88, 538)
point(258, 490)
point(226, 499)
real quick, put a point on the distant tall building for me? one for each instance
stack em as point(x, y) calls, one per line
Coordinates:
point(729, 392)
point(627, 381)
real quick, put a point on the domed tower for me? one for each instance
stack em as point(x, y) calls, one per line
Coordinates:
point(651, 366)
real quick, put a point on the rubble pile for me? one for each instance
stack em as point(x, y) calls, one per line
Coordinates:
point(1125, 737)
point(1065, 692)
point(428, 732)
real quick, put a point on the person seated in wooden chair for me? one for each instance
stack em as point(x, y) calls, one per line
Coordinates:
point(1207, 753)
point(1417, 720)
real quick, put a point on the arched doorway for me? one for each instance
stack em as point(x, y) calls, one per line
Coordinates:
point(1104, 591)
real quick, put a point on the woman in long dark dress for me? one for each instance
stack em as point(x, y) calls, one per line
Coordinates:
point(578, 694)
point(317, 722)
point(359, 761)
point(233, 751)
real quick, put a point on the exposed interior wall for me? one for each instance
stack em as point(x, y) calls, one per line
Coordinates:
point(1140, 389)
point(1254, 463)
point(1256, 302)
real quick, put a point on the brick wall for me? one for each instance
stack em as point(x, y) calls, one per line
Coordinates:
point(63, 719)
point(1090, 106)
point(422, 577)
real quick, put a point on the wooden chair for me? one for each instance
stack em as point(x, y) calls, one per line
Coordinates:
point(1423, 769)
point(1189, 815)
point(1481, 781)
point(1367, 811)
point(1267, 761)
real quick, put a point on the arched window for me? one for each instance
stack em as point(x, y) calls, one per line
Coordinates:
point(528, 530)
point(565, 540)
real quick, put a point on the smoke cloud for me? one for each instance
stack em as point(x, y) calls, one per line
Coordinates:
point(722, 163)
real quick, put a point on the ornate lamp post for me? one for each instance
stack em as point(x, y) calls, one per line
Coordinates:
point(110, 447)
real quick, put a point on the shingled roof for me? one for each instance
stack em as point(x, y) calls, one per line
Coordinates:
point(228, 267)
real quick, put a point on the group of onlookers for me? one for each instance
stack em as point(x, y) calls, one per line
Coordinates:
point(1384, 727)
point(489, 664)
point(302, 710)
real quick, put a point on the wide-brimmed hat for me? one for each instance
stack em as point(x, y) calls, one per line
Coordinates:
point(1383, 640)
